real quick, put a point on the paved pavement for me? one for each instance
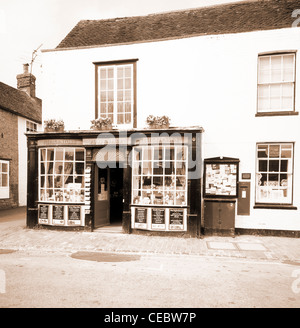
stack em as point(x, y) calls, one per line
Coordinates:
point(15, 236)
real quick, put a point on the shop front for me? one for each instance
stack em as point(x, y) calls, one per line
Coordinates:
point(147, 181)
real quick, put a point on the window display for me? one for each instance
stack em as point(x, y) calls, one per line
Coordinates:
point(61, 175)
point(274, 173)
point(159, 175)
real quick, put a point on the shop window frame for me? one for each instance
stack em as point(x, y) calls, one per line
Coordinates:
point(62, 190)
point(165, 192)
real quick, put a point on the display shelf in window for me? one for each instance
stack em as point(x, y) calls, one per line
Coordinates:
point(221, 177)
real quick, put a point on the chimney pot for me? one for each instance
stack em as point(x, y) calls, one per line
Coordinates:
point(25, 68)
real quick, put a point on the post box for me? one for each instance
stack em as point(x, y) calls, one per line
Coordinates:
point(243, 204)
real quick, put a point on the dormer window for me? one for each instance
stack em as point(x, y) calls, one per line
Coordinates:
point(115, 92)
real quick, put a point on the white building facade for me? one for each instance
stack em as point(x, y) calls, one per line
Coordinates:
point(241, 87)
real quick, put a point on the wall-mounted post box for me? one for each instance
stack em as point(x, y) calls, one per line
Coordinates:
point(243, 204)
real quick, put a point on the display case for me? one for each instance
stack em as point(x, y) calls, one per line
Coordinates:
point(221, 177)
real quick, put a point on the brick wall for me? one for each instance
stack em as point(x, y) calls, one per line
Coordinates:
point(9, 150)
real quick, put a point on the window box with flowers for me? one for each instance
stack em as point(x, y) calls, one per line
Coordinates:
point(158, 122)
point(53, 125)
point(102, 123)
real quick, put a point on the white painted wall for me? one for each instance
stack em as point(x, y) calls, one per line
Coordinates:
point(209, 81)
point(22, 151)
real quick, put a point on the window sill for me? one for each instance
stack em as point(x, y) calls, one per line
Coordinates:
point(277, 114)
point(275, 206)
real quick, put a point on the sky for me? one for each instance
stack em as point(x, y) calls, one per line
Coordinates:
point(26, 26)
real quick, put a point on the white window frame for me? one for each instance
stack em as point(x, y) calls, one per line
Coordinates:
point(4, 190)
point(114, 90)
point(272, 192)
point(64, 193)
point(271, 83)
point(31, 126)
point(136, 164)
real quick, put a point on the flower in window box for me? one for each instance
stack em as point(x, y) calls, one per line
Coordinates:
point(53, 125)
point(158, 122)
point(102, 123)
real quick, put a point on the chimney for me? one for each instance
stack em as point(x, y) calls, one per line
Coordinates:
point(26, 81)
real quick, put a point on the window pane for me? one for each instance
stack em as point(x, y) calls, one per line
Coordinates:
point(180, 168)
point(58, 181)
point(103, 96)
point(120, 71)
point(157, 168)
point(103, 73)
point(127, 118)
point(110, 84)
point(103, 84)
point(120, 95)
point(58, 168)
point(79, 155)
point(263, 166)
point(147, 168)
point(59, 154)
point(158, 153)
point(120, 119)
point(110, 96)
point(50, 154)
point(4, 167)
point(170, 168)
point(273, 166)
point(69, 155)
point(127, 71)
point(120, 84)
point(43, 155)
point(262, 151)
point(79, 168)
point(284, 165)
point(288, 75)
point(286, 151)
point(110, 72)
point(4, 180)
point(274, 151)
point(68, 168)
point(43, 182)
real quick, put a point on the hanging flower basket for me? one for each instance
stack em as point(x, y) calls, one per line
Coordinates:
point(53, 125)
point(158, 122)
point(102, 123)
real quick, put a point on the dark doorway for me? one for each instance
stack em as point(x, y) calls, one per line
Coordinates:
point(108, 196)
point(116, 195)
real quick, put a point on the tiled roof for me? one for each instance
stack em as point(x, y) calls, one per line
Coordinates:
point(19, 103)
point(237, 17)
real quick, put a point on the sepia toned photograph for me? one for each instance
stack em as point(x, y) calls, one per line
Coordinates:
point(149, 157)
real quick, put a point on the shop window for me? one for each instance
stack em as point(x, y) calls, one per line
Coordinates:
point(276, 83)
point(274, 173)
point(30, 126)
point(61, 175)
point(115, 93)
point(4, 179)
point(159, 175)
